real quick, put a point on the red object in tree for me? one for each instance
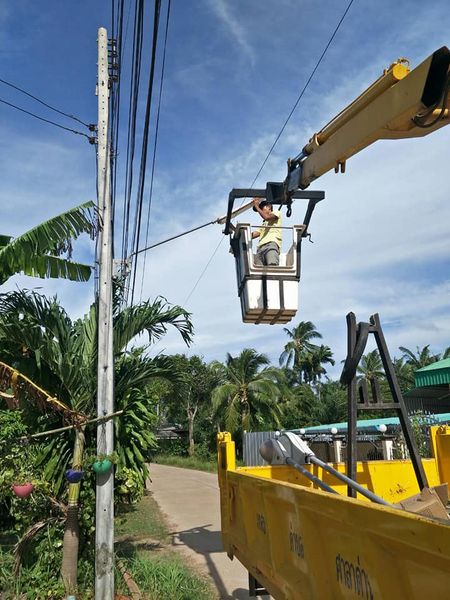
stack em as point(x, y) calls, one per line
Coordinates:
point(24, 490)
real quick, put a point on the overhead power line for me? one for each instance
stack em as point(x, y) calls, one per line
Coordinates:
point(174, 237)
point(156, 140)
point(22, 91)
point(90, 138)
point(302, 92)
point(203, 272)
point(131, 129)
point(114, 100)
point(142, 170)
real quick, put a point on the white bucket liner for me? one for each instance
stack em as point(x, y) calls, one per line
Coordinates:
point(268, 294)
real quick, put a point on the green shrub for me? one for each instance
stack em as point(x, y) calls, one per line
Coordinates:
point(41, 580)
point(167, 577)
point(188, 462)
point(128, 486)
point(176, 447)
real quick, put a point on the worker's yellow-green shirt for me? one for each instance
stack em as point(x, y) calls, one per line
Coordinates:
point(271, 232)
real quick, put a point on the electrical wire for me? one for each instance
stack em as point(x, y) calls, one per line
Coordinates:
point(142, 171)
point(132, 113)
point(174, 237)
point(155, 143)
point(126, 26)
point(302, 92)
point(203, 272)
point(115, 104)
point(19, 89)
point(90, 138)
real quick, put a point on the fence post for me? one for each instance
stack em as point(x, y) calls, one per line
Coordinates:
point(387, 447)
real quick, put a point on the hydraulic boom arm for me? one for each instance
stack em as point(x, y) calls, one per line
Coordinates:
point(400, 104)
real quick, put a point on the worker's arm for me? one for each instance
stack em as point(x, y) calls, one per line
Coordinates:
point(271, 216)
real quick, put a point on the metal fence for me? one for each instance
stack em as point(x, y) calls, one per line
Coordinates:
point(252, 443)
point(369, 447)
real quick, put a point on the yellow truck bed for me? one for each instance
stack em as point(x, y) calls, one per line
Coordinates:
point(303, 543)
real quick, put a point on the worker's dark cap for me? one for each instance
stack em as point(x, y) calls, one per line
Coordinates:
point(262, 204)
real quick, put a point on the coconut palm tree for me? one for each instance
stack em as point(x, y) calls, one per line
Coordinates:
point(313, 361)
point(39, 338)
point(332, 407)
point(371, 367)
point(38, 251)
point(299, 344)
point(421, 358)
point(248, 396)
point(404, 373)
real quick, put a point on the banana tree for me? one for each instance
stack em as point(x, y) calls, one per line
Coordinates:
point(38, 251)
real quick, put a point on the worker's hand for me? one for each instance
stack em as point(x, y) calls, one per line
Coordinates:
point(256, 202)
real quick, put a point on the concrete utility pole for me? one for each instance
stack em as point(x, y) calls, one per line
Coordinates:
point(104, 515)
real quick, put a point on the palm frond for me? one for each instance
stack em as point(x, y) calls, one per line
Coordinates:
point(152, 317)
point(221, 396)
point(4, 240)
point(21, 546)
point(232, 414)
point(37, 251)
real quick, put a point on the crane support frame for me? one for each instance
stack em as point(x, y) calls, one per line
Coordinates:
point(313, 196)
point(358, 397)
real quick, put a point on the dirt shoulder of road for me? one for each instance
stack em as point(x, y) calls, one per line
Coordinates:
point(191, 502)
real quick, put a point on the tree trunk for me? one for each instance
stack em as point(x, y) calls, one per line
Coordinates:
point(69, 565)
point(191, 449)
point(71, 539)
point(191, 416)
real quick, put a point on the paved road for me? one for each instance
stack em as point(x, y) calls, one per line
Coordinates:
point(190, 499)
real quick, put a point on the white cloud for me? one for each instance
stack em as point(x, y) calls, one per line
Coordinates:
point(223, 11)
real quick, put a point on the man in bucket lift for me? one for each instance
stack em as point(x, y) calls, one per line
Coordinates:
point(269, 245)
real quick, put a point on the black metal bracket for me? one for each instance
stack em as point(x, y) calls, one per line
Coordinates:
point(358, 393)
point(255, 588)
point(274, 192)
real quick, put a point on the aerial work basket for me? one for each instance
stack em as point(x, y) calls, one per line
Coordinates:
point(268, 294)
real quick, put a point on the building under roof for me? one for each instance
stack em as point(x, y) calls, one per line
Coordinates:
point(372, 425)
point(432, 391)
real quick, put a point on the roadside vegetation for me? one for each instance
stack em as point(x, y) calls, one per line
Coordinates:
point(48, 366)
point(188, 462)
point(143, 546)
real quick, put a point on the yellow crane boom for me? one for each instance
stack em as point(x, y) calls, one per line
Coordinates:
point(399, 104)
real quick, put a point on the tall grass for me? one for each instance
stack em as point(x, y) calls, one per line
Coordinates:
point(142, 546)
point(166, 578)
point(141, 520)
point(187, 462)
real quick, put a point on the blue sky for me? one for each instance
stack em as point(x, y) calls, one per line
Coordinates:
point(234, 69)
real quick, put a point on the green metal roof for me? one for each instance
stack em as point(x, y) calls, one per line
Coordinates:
point(367, 425)
point(437, 373)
